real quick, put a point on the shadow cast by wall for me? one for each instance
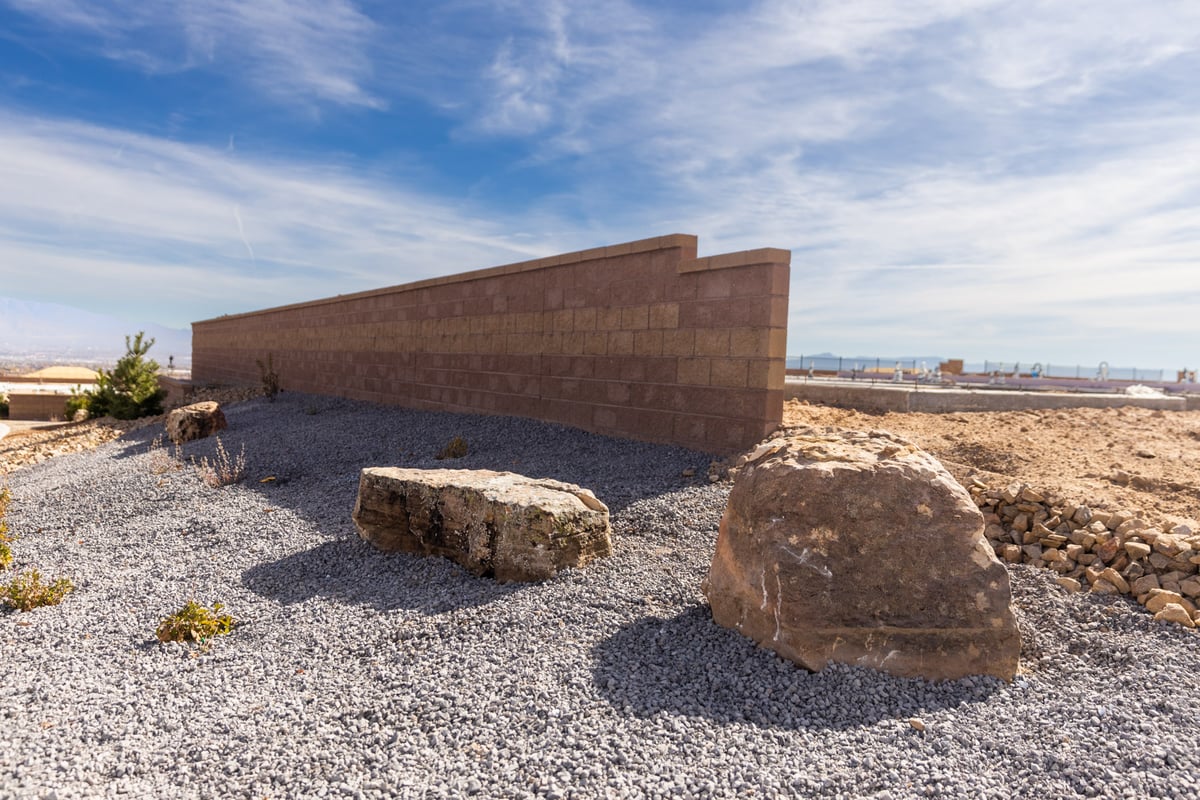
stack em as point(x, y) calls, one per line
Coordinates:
point(352, 571)
point(690, 666)
point(310, 450)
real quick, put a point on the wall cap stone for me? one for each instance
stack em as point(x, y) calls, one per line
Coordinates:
point(685, 241)
point(743, 258)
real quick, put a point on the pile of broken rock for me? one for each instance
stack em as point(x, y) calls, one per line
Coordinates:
point(1106, 552)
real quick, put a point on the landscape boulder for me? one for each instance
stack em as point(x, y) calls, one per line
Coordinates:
point(195, 422)
point(499, 524)
point(859, 548)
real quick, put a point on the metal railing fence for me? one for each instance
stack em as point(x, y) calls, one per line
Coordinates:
point(887, 366)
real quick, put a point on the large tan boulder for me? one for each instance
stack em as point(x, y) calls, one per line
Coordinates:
point(860, 548)
point(195, 422)
point(493, 523)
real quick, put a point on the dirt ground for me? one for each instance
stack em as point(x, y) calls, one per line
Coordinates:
point(1133, 459)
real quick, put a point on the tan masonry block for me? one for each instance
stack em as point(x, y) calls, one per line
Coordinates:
point(635, 318)
point(529, 322)
point(762, 373)
point(620, 343)
point(648, 343)
point(616, 393)
point(608, 319)
point(679, 343)
point(573, 343)
point(729, 372)
point(694, 371)
point(779, 312)
point(664, 315)
point(552, 343)
point(712, 342)
point(750, 342)
point(778, 343)
point(595, 344)
point(564, 320)
point(604, 418)
point(585, 319)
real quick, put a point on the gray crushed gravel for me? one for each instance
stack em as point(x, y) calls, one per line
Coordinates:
point(362, 674)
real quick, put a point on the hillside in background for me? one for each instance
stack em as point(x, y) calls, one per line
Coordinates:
point(52, 333)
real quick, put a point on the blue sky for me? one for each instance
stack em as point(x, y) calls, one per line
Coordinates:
point(973, 178)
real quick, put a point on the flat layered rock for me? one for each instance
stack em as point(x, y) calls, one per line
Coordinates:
point(500, 524)
point(860, 548)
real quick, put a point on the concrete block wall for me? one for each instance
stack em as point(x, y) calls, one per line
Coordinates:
point(642, 340)
point(43, 406)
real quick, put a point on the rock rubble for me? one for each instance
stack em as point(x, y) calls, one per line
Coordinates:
point(1104, 552)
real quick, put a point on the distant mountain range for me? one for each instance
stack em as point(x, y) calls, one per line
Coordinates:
point(49, 332)
point(823, 359)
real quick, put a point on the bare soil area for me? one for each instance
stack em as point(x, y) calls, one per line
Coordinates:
point(1134, 459)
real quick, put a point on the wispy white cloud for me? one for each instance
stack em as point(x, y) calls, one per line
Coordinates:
point(295, 51)
point(112, 213)
point(1092, 263)
point(1047, 51)
point(964, 174)
point(949, 173)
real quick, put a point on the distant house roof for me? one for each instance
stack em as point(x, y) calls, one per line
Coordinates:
point(81, 374)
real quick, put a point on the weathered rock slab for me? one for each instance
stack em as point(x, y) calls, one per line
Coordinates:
point(195, 421)
point(501, 524)
point(860, 548)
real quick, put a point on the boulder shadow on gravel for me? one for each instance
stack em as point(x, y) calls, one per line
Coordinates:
point(690, 666)
point(353, 572)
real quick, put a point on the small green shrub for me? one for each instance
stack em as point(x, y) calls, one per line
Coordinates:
point(457, 448)
point(27, 591)
point(127, 391)
point(194, 623)
point(3, 406)
point(224, 469)
point(269, 377)
point(78, 401)
point(6, 555)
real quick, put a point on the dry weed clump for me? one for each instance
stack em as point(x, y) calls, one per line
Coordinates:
point(457, 448)
point(6, 556)
point(269, 377)
point(224, 469)
point(163, 460)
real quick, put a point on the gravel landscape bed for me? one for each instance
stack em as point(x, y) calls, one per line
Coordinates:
point(355, 673)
